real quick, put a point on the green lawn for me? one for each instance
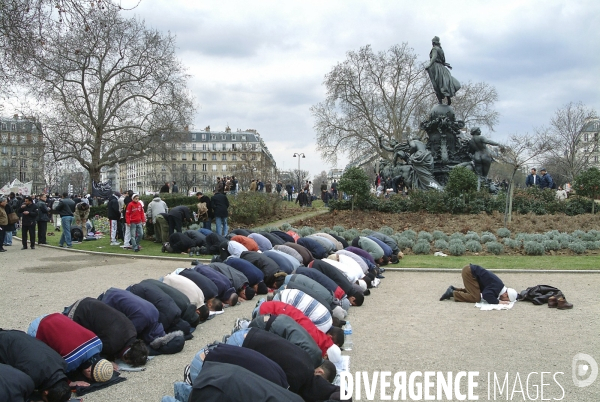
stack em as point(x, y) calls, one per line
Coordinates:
point(497, 262)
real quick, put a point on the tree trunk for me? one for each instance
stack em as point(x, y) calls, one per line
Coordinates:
point(352, 203)
point(94, 177)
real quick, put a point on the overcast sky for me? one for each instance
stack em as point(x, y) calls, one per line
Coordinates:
point(260, 64)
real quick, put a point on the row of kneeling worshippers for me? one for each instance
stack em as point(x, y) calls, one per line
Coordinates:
point(83, 348)
point(77, 349)
point(287, 351)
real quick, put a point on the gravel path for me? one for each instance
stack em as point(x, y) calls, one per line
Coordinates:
point(401, 327)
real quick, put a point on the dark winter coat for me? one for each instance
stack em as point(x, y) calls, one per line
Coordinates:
point(294, 361)
point(313, 289)
point(318, 277)
point(15, 385)
point(66, 207)
point(198, 238)
point(303, 251)
point(283, 236)
point(180, 243)
point(251, 272)
point(340, 239)
point(250, 360)
point(286, 328)
point(114, 329)
point(33, 357)
point(275, 240)
point(237, 279)
point(222, 382)
point(284, 264)
point(207, 286)
point(540, 294)
point(142, 313)
point(182, 213)
point(220, 205)
point(213, 243)
point(391, 243)
point(224, 286)
point(188, 310)
point(113, 211)
point(29, 219)
point(387, 250)
point(334, 274)
point(489, 283)
point(169, 313)
point(315, 248)
point(43, 211)
point(268, 267)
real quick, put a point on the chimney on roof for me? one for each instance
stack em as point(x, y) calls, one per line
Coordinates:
point(186, 128)
point(16, 116)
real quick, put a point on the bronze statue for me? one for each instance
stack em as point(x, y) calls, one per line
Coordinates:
point(444, 84)
point(482, 159)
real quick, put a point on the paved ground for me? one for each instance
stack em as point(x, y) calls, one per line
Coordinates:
point(401, 327)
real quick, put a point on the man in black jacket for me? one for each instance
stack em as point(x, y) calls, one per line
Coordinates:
point(480, 283)
point(114, 215)
point(42, 219)
point(39, 361)
point(177, 217)
point(66, 209)
point(28, 213)
point(220, 205)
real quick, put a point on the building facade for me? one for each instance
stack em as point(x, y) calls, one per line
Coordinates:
point(198, 160)
point(22, 152)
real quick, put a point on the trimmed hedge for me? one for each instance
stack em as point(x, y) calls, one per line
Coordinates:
point(525, 201)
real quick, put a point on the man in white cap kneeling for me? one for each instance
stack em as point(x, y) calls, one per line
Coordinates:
point(480, 283)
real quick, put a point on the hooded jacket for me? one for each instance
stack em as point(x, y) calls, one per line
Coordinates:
point(224, 286)
point(268, 267)
point(113, 209)
point(315, 248)
point(188, 310)
point(169, 313)
point(135, 213)
point(15, 385)
point(253, 274)
point(155, 207)
point(222, 382)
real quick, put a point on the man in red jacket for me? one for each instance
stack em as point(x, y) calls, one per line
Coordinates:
point(135, 218)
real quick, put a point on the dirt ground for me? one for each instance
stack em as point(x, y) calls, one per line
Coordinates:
point(447, 223)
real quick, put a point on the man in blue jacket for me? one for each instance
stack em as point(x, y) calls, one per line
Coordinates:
point(480, 283)
point(546, 180)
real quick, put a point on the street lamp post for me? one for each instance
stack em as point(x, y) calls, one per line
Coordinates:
point(299, 155)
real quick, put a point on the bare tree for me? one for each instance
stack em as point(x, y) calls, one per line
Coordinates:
point(320, 178)
point(108, 90)
point(299, 176)
point(570, 150)
point(474, 104)
point(520, 150)
point(369, 95)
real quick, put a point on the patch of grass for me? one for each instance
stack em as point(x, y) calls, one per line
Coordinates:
point(502, 262)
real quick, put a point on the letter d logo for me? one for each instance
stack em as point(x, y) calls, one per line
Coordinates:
point(584, 365)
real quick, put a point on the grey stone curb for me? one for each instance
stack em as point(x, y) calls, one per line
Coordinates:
point(134, 256)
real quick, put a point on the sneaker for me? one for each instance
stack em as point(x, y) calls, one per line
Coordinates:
point(225, 338)
point(137, 250)
point(115, 243)
point(240, 323)
point(163, 249)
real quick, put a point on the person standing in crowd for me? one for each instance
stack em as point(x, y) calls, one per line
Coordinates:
point(532, 180)
point(42, 219)
point(12, 205)
point(164, 188)
point(334, 190)
point(278, 187)
point(561, 194)
point(156, 207)
point(135, 219)
point(4, 226)
point(66, 209)
point(269, 187)
point(220, 204)
point(175, 188)
point(82, 213)
point(114, 214)
point(28, 213)
point(546, 181)
point(204, 217)
point(290, 189)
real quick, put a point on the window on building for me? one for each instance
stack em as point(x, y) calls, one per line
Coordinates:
point(596, 158)
point(4, 126)
point(35, 164)
point(184, 156)
point(194, 156)
point(223, 147)
point(4, 150)
point(173, 157)
point(213, 137)
point(23, 163)
point(204, 147)
point(13, 151)
point(214, 168)
point(4, 162)
point(234, 157)
point(163, 156)
point(194, 180)
point(254, 147)
point(243, 138)
point(183, 147)
point(204, 177)
point(164, 178)
point(253, 157)
point(13, 163)
point(194, 167)
point(243, 157)
point(214, 157)
point(163, 168)
point(174, 167)
point(194, 146)
point(194, 138)
point(204, 167)
point(224, 168)
point(13, 127)
point(203, 137)
point(586, 137)
point(204, 156)
point(224, 157)
point(184, 167)
point(233, 147)
point(214, 146)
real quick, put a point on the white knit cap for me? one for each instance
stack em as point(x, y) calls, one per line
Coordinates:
point(512, 294)
point(504, 289)
point(334, 354)
point(362, 284)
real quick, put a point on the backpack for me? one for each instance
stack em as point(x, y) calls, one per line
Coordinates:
point(202, 211)
point(56, 205)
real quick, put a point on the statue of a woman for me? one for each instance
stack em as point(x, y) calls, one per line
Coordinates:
point(444, 85)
